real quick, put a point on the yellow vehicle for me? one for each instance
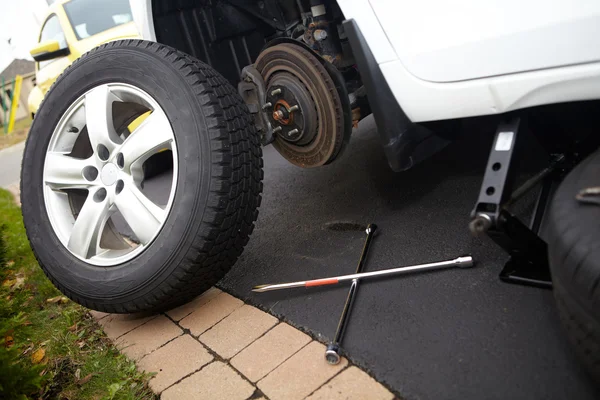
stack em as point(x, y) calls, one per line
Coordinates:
point(70, 29)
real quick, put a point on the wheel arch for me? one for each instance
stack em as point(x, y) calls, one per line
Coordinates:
point(143, 18)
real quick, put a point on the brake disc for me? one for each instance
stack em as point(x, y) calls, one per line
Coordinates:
point(303, 105)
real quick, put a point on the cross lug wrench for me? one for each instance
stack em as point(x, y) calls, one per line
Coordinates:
point(332, 354)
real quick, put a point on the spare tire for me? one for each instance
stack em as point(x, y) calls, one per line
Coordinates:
point(574, 253)
point(106, 234)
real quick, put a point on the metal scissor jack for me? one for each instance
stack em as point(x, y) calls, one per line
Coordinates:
point(332, 354)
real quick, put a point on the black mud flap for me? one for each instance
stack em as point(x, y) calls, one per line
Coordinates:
point(404, 142)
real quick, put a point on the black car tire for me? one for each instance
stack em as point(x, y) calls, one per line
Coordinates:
point(574, 255)
point(219, 181)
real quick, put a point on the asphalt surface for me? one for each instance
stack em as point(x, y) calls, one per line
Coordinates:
point(452, 334)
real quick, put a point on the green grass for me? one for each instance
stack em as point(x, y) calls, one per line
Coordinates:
point(72, 344)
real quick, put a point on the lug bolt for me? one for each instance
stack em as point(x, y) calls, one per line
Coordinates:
point(267, 105)
point(276, 129)
point(292, 132)
point(276, 92)
point(293, 108)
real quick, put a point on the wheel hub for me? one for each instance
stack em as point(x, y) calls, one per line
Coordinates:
point(109, 174)
point(294, 117)
point(282, 113)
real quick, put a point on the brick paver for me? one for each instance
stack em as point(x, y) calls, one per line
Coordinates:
point(215, 381)
point(300, 375)
point(116, 325)
point(238, 330)
point(148, 337)
point(282, 359)
point(352, 384)
point(183, 311)
point(174, 361)
point(218, 308)
point(265, 354)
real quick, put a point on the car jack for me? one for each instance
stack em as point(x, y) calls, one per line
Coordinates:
point(528, 263)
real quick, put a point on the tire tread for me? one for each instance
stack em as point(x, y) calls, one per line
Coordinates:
point(574, 254)
point(234, 194)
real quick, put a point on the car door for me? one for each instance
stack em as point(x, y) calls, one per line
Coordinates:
point(48, 71)
point(449, 41)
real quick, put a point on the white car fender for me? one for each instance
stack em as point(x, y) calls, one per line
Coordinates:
point(142, 16)
point(424, 100)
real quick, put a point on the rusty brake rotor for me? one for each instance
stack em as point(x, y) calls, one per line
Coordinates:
point(303, 105)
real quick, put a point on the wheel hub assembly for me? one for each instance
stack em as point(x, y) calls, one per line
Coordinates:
point(303, 105)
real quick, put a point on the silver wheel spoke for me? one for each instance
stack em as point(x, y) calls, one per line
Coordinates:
point(64, 172)
point(143, 216)
point(152, 135)
point(99, 119)
point(88, 227)
point(96, 225)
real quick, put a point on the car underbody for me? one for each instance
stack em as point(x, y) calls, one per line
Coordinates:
point(308, 76)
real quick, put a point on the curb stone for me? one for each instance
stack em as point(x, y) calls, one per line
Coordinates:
point(217, 347)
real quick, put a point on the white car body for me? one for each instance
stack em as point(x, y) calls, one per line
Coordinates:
point(447, 60)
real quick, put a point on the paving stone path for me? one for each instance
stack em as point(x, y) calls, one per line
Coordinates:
point(217, 347)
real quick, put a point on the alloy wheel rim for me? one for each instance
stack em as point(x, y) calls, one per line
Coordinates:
point(94, 176)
